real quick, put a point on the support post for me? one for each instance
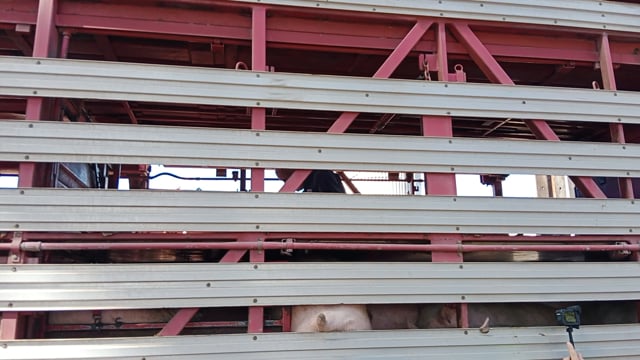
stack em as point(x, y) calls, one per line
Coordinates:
point(258, 63)
point(12, 324)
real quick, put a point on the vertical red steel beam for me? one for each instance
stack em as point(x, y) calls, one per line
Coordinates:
point(617, 130)
point(258, 114)
point(386, 69)
point(256, 313)
point(258, 63)
point(443, 184)
point(12, 324)
point(258, 122)
point(45, 45)
point(490, 67)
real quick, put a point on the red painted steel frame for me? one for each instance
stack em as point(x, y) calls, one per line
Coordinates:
point(104, 18)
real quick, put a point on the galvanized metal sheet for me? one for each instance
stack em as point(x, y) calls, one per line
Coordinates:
point(145, 210)
point(540, 343)
point(586, 14)
point(130, 286)
point(63, 78)
point(134, 144)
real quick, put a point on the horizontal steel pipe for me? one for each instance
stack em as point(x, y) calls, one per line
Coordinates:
point(284, 246)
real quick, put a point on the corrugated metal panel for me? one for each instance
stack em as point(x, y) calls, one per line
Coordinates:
point(543, 343)
point(599, 15)
point(144, 210)
point(158, 83)
point(134, 144)
point(60, 287)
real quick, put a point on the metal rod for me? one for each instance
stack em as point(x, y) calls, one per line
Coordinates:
point(290, 245)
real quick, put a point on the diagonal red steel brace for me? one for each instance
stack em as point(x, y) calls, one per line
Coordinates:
point(386, 69)
point(617, 130)
point(492, 69)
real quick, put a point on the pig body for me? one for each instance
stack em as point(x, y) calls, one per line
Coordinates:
point(328, 318)
point(393, 316)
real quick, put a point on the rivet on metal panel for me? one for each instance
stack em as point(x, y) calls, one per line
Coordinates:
point(461, 266)
point(257, 134)
point(257, 226)
point(21, 192)
point(38, 62)
point(255, 267)
point(256, 196)
point(4, 346)
point(257, 163)
point(255, 338)
point(524, 101)
point(13, 269)
point(16, 226)
point(26, 157)
point(208, 284)
point(255, 301)
point(455, 199)
point(450, 141)
point(466, 332)
point(570, 158)
point(319, 151)
point(35, 92)
point(457, 228)
point(10, 304)
point(258, 103)
point(31, 125)
point(463, 297)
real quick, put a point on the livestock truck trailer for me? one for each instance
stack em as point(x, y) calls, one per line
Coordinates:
point(393, 102)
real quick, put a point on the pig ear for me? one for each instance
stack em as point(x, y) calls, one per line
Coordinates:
point(321, 321)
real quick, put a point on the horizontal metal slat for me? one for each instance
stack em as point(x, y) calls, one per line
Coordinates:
point(134, 144)
point(539, 343)
point(600, 15)
point(118, 286)
point(160, 83)
point(151, 210)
